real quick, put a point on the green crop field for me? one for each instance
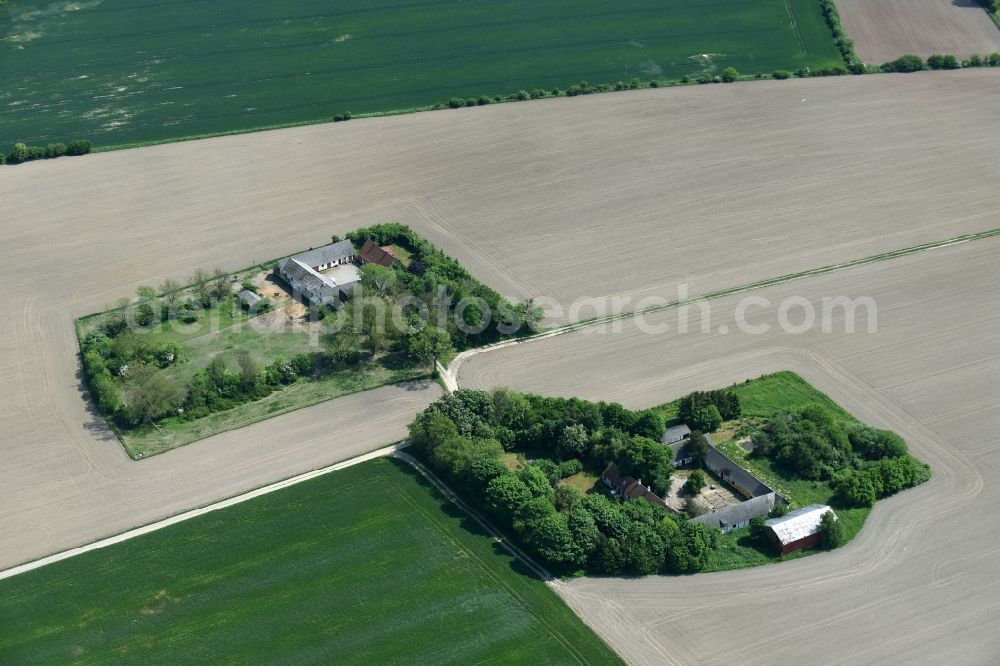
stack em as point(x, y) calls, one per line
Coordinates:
point(368, 565)
point(122, 72)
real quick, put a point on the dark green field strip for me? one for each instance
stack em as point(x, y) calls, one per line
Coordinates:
point(365, 565)
point(122, 74)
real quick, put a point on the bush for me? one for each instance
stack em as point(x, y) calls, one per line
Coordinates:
point(730, 74)
point(994, 60)
point(18, 154)
point(943, 62)
point(456, 103)
point(831, 532)
point(906, 63)
point(56, 149)
point(781, 74)
point(78, 147)
point(695, 482)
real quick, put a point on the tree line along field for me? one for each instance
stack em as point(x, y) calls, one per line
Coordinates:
point(121, 73)
point(365, 565)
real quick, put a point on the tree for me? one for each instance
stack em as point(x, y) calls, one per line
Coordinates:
point(529, 315)
point(216, 372)
point(170, 291)
point(378, 278)
point(537, 482)
point(249, 372)
point(706, 419)
point(698, 448)
point(429, 344)
point(874, 444)
point(695, 482)
point(78, 147)
point(201, 287)
point(831, 532)
point(567, 497)
point(221, 284)
point(18, 154)
point(506, 494)
point(574, 442)
point(342, 339)
point(150, 395)
point(729, 74)
point(758, 531)
point(906, 63)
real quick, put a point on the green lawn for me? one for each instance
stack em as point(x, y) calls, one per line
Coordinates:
point(121, 72)
point(368, 565)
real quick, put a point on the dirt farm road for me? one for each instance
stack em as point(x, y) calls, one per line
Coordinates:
point(708, 187)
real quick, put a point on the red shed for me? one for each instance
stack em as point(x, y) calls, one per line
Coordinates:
point(798, 529)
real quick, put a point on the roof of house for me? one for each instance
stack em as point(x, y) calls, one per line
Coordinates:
point(716, 460)
point(612, 475)
point(327, 254)
point(631, 487)
point(798, 524)
point(309, 281)
point(736, 514)
point(248, 297)
point(676, 433)
point(373, 254)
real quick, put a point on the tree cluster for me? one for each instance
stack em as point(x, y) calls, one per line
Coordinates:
point(464, 434)
point(914, 63)
point(21, 153)
point(862, 463)
point(705, 411)
point(440, 294)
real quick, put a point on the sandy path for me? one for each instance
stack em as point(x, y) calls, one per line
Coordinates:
point(883, 30)
point(901, 589)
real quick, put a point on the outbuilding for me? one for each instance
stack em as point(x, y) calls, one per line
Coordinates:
point(798, 529)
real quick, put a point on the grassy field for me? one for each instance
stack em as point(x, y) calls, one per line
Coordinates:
point(125, 73)
point(760, 398)
point(366, 565)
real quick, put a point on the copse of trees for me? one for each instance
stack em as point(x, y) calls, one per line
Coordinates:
point(442, 285)
point(706, 410)
point(463, 435)
point(21, 153)
point(862, 463)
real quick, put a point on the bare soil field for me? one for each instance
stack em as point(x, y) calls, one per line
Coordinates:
point(919, 584)
point(883, 30)
point(625, 194)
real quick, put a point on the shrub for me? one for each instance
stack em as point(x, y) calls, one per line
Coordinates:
point(831, 532)
point(730, 74)
point(18, 154)
point(56, 149)
point(781, 74)
point(906, 63)
point(943, 62)
point(695, 482)
point(994, 60)
point(456, 102)
point(484, 100)
point(78, 147)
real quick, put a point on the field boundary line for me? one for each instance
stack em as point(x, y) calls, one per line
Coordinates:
point(383, 452)
point(450, 374)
